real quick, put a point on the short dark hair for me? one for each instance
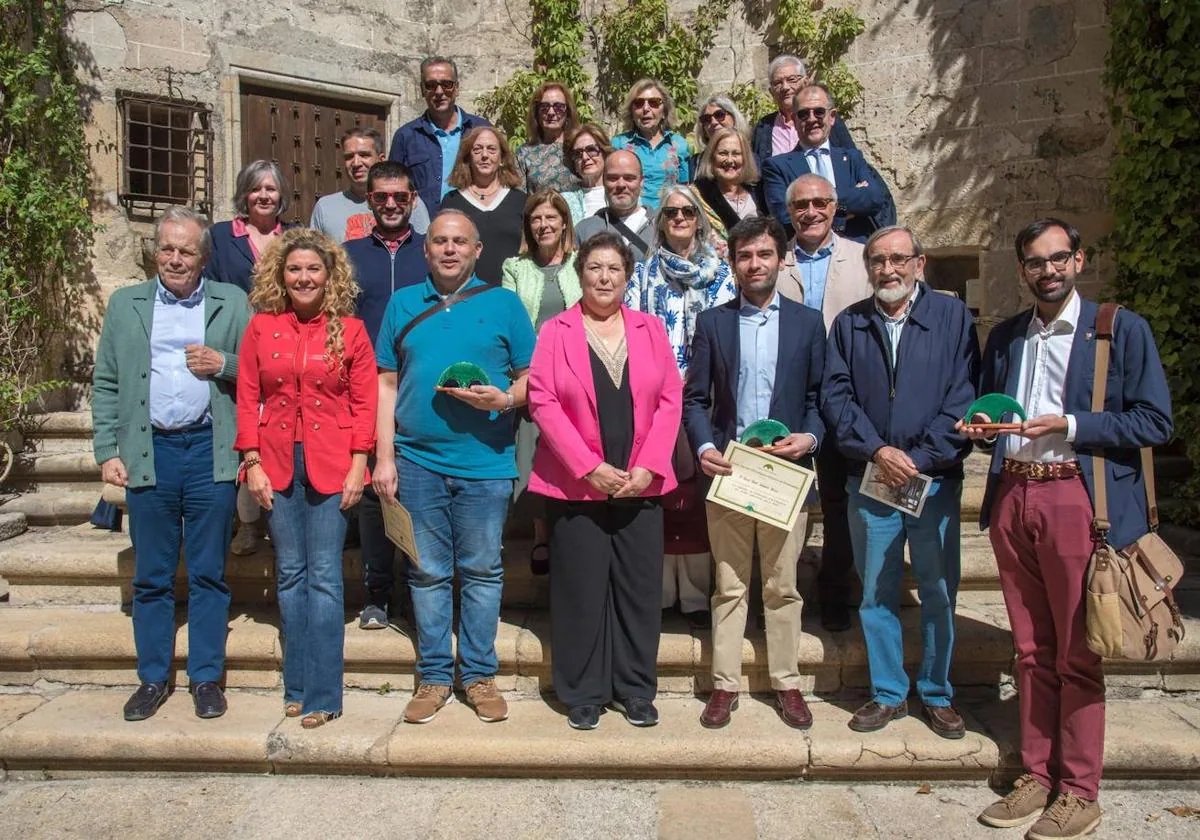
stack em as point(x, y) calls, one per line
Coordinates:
point(387, 169)
point(604, 239)
point(754, 227)
point(1039, 227)
point(366, 132)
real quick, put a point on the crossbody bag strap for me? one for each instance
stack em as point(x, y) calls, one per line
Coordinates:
point(626, 232)
point(1105, 319)
point(457, 297)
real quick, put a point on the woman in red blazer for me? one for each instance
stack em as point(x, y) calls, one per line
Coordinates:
point(605, 392)
point(307, 398)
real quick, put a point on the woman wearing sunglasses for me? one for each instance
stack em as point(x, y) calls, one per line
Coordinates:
point(587, 149)
point(543, 159)
point(649, 121)
point(683, 276)
point(714, 113)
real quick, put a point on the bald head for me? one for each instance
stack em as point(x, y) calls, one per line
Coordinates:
point(623, 182)
point(451, 248)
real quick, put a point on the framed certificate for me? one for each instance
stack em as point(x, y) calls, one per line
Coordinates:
point(763, 486)
point(397, 525)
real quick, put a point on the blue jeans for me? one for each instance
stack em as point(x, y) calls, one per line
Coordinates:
point(458, 524)
point(308, 530)
point(184, 506)
point(878, 534)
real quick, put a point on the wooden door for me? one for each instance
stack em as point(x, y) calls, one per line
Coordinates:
point(303, 134)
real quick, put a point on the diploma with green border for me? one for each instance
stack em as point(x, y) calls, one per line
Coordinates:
point(764, 486)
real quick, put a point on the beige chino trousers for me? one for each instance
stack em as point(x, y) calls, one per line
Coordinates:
point(732, 536)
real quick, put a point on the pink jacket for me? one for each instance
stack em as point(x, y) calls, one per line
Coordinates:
point(562, 401)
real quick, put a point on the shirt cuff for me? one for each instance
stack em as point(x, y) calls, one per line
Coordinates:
point(815, 444)
point(704, 447)
point(1071, 428)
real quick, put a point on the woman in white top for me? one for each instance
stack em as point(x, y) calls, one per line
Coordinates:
point(587, 148)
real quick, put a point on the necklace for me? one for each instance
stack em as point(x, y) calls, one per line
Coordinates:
point(484, 195)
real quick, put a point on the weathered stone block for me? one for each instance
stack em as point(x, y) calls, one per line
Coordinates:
point(1080, 93)
point(150, 57)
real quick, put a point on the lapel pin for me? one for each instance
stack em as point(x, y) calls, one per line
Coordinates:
point(1089, 335)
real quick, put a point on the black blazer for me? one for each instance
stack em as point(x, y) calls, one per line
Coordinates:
point(231, 260)
point(710, 393)
point(710, 191)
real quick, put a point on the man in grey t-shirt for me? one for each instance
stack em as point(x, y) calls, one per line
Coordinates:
point(344, 215)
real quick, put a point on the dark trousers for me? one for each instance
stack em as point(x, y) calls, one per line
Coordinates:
point(185, 507)
point(605, 617)
point(379, 555)
point(835, 581)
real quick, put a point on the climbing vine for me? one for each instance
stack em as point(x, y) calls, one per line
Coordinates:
point(1153, 74)
point(43, 196)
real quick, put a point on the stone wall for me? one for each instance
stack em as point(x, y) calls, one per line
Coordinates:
point(981, 114)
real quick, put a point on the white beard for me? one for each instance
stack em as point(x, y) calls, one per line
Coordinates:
point(895, 295)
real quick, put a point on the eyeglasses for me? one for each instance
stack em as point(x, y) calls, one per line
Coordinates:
point(447, 85)
point(817, 113)
point(717, 116)
point(899, 260)
point(786, 81)
point(586, 151)
point(552, 107)
point(401, 197)
point(643, 101)
point(805, 203)
point(1036, 265)
point(676, 212)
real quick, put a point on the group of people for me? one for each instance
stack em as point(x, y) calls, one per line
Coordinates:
point(627, 309)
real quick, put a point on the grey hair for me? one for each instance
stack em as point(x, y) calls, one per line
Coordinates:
point(703, 226)
point(726, 104)
point(668, 118)
point(179, 214)
point(805, 178)
point(439, 59)
point(884, 231)
point(828, 94)
point(250, 177)
point(785, 60)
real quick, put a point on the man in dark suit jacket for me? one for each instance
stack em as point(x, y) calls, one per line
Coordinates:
point(775, 133)
point(1039, 507)
point(757, 357)
point(863, 198)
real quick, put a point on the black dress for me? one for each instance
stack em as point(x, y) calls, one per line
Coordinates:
point(499, 229)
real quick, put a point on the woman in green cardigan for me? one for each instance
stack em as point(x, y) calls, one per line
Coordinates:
point(543, 276)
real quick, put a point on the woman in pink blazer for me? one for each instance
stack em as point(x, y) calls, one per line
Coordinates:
point(605, 392)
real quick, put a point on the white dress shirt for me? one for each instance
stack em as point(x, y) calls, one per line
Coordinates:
point(1042, 385)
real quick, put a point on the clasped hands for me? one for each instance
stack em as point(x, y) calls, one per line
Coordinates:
point(620, 484)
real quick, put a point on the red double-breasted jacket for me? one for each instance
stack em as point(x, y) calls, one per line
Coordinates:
point(288, 391)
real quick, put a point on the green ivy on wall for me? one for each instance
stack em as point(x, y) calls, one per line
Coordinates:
point(1153, 74)
point(43, 195)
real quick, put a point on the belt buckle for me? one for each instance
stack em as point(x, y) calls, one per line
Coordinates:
point(1040, 471)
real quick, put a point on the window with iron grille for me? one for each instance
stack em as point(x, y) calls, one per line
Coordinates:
point(166, 154)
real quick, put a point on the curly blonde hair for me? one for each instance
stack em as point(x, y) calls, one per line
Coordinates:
point(341, 291)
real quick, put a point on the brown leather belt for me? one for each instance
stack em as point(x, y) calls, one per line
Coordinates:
point(1042, 471)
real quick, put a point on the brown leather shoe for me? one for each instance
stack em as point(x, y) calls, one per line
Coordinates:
point(944, 721)
point(871, 717)
point(718, 709)
point(792, 708)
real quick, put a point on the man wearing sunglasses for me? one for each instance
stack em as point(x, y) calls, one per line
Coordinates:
point(428, 145)
point(863, 198)
point(390, 257)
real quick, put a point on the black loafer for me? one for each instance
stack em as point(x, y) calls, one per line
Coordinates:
point(145, 701)
point(638, 711)
point(209, 700)
point(583, 717)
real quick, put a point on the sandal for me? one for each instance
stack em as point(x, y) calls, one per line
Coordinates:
point(292, 709)
point(540, 565)
point(314, 719)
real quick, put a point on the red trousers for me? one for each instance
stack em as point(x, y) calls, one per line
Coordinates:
point(1041, 533)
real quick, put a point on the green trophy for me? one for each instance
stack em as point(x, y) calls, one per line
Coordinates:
point(463, 375)
point(995, 407)
point(764, 432)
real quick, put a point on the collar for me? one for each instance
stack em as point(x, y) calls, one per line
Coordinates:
point(668, 136)
point(822, 149)
point(458, 126)
point(241, 226)
point(165, 295)
point(1066, 322)
point(908, 307)
point(821, 253)
point(392, 245)
point(430, 292)
point(781, 122)
point(745, 307)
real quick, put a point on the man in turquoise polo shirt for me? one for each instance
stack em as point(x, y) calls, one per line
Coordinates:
point(446, 453)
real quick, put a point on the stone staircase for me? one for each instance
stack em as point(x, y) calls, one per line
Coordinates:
point(56, 480)
point(67, 663)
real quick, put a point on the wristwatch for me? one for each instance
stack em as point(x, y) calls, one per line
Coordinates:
point(508, 403)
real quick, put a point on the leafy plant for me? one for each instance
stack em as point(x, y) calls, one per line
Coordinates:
point(1153, 75)
point(822, 38)
point(43, 196)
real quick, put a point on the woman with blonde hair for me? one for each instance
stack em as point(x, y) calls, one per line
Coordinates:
point(307, 396)
point(544, 278)
point(543, 159)
point(727, 181)
point(487, 179)
point(649, 113)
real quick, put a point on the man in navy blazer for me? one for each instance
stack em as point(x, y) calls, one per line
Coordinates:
point(775, 133)
point(759, 356)
point(1038, 505)
point(863, 198)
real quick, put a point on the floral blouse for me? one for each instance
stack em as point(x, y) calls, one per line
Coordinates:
point(544, 168)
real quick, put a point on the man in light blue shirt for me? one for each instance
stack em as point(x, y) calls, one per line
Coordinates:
point(178, 398)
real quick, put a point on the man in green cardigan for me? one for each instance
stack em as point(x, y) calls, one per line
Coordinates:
point(164, 421)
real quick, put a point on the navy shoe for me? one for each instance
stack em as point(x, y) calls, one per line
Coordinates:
point(638, 711)
point(209, 700)
point(583, 717)
point(145, 701)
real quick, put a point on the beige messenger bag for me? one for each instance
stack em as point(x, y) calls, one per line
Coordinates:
point(1131, 610)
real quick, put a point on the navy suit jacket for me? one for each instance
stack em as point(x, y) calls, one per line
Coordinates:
point(710, 393)
point(1137, 408)
point(231, 260)
point(849, 168)
point(763, 148)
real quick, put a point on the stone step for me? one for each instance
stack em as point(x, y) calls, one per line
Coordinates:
point(94, 647)
point(82, 733)
point(57, 503)
point(86, 565)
